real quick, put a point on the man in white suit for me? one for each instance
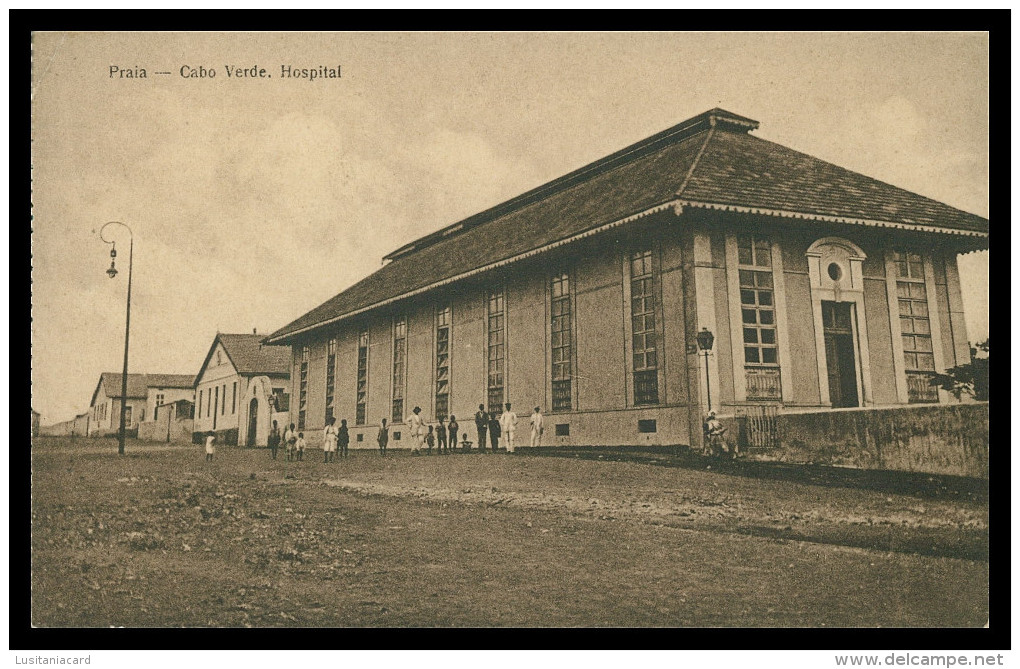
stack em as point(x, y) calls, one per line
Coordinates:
point(537, 427)
point(507, 425)
point(416, 428)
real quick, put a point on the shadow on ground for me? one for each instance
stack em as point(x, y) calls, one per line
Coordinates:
point(916, 484)
point(967, 544)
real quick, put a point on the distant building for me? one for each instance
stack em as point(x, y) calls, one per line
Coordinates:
point(105, 404)
point(165, 389)
point(822, 288)
point(169, 408)
point(35, 423)
point(234, 386)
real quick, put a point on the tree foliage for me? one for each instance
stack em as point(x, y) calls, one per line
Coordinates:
point(970, 378)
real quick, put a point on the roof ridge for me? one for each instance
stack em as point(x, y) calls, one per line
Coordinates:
point(684, 130)
point(697, 159)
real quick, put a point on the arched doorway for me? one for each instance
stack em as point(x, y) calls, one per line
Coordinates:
point(253, 421)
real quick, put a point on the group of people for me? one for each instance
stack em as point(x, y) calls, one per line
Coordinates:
point(334, 443)
point(500, 427)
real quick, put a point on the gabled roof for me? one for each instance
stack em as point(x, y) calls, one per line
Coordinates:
point(111, 383)
point(169, 381)
point(249, 356)
point(707, 161)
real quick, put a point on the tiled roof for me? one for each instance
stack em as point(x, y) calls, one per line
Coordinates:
point(111, 382)
point(707, 160)
point(250, 356)
point(169, 381)
point(742, 170)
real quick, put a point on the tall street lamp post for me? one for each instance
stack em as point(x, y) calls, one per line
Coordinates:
point(705, 341)
point(112, 272)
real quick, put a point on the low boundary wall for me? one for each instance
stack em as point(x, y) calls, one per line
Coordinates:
point(941, 439)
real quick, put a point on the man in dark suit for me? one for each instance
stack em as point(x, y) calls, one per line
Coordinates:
point(495, 431)
point(481, 424)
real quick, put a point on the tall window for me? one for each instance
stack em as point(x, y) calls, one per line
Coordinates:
point(330, 377)
point(399, 368)
point(915, 327)
point(303, 389)
point(562, 343)
point(223, 406)
point(497, 349)
point(758, 314)
point(642, 313)
point(233, 399)
point(443, 362)
point(362, 400)
point(201, 396)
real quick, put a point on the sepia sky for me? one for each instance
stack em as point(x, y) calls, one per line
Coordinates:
point(254, 200)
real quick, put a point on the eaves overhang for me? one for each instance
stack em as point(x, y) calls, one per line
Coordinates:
point(677, 205)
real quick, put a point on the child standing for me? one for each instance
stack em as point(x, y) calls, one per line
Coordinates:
point(453, 428)
point(383, 438)
point(430, 439)
point(290, 439)
point(210, 449)
point(274, 439)
point(345, 437)
point(329, 438)
point(441, 437)
point(300, 446)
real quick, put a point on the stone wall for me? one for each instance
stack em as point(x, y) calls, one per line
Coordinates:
point(945, 439)
point(180, 430)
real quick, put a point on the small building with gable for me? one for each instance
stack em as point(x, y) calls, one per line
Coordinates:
point(241, 387)
point(104, 408)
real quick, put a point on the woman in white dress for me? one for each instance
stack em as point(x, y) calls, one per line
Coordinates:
point(329, 436)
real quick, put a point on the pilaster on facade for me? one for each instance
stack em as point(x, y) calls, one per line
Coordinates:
point(782, 329)
point(736, 327)
point(704, 288)
point(931, 291)
point(957, 322)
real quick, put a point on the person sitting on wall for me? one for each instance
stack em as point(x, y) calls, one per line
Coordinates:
point(714, 431)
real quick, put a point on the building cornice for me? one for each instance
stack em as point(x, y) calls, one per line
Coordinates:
point(782, 213)
point(677, 205)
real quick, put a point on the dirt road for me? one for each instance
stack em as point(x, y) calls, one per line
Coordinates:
point(162, 538)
